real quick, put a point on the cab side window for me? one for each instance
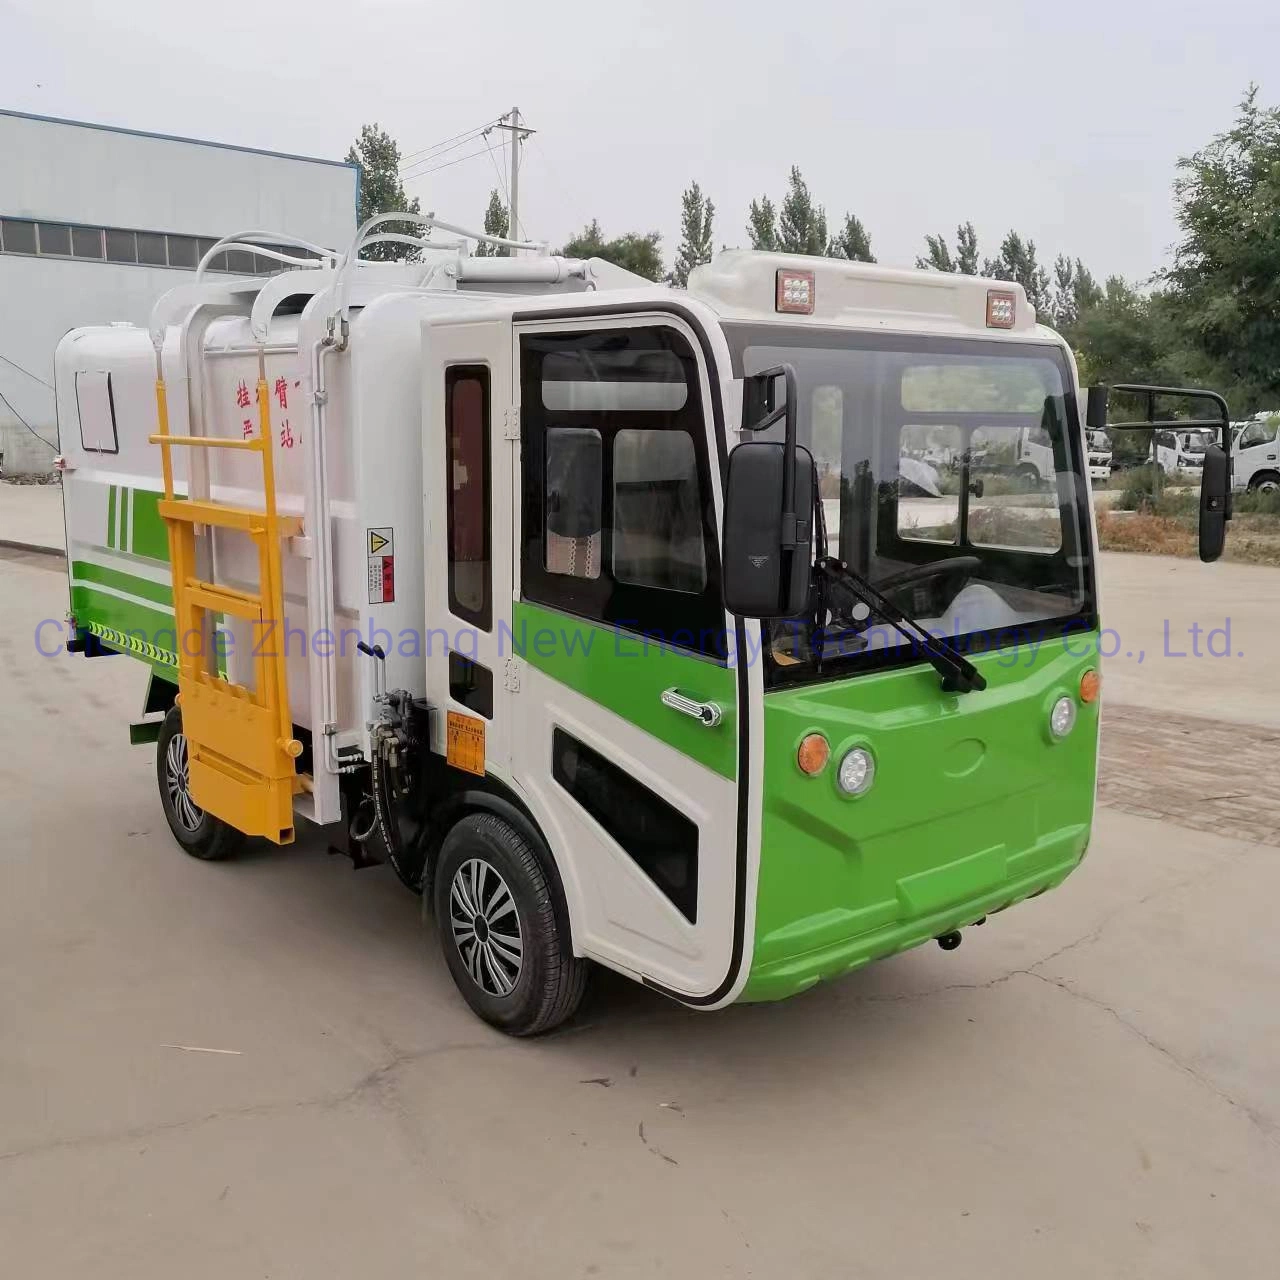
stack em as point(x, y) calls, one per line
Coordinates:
point(1256, 433)
point(618, 523)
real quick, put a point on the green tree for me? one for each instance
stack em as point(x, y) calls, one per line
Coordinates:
point(641, 254)
point(762, 225)
point(377, 157)
point(853, 242)
point(802, 225)
point(1225, 278)
point(496, 217)
point(697, 214)
point(1017, 261)
point(940, 258)
point(1075, 291)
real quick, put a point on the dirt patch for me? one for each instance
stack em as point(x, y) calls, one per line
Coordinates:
point(1188, 770)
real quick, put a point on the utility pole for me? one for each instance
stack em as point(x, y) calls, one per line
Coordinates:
point(511, 122)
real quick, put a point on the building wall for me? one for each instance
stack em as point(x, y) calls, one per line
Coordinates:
point(86, 175)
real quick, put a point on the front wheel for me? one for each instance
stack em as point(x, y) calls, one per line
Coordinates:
point(498, 929)
point(1265, 482)
point(199, 833)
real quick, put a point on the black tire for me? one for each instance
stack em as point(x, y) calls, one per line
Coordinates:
point(1264, 482)
point(200, 834)
point(544, 981)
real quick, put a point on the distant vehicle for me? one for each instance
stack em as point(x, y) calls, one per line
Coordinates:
point(1100, 457)
point(1255, 457)
point(1180, 454)
point(1034, 462)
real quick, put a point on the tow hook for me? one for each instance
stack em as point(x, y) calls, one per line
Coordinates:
point(949, 941)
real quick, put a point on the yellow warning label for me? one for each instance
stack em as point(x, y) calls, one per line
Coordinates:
point(464, 743)
point(376, 542)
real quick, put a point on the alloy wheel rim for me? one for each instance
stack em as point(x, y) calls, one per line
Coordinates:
point(178, 784)
point(486, 927)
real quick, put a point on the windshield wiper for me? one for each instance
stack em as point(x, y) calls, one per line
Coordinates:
point(958, 674)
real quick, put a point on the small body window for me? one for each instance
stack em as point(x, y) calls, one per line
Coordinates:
point(96, 405)
point(467, 477)
point(122, 246)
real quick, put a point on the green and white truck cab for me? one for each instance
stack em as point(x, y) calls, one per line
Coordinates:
point(612, 616)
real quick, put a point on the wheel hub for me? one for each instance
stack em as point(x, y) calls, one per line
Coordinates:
point(178, 784)
point(486, 927)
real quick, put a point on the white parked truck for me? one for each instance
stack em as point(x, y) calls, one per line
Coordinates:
point(515, 572)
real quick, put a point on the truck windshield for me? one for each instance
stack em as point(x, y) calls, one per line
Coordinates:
point(950, 476)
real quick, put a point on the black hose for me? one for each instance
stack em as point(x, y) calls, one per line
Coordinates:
point(384, 811)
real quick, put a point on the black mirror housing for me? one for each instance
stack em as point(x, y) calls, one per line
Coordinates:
point(763, 576)
point(1095, 412)
point(1215, 503)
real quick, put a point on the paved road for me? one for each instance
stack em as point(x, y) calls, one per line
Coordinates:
point(1086, 1088)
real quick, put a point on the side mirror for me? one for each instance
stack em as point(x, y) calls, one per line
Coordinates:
point(1095, 411)
point(1215, 503)
point(766, 566)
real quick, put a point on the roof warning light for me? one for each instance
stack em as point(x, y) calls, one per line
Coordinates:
point(796, 292)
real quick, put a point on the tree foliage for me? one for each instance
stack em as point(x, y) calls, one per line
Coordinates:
point(853, 242)
point(1225, 278)
point(376, 155)
point(641, 254)
point(798, 225)
point(697, 216)
point(496, 219)
point(940, 258)
point(1017, 261)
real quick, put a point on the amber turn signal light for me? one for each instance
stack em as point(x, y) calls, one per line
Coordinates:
point(1090, 687)
point(813, 754)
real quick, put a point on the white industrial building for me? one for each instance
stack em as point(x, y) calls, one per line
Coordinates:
point(97, 222)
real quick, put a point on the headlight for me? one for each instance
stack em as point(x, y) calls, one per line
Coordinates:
point(1062, 719)
point(857, 772)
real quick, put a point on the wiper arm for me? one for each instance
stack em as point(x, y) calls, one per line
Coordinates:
point(958, 674)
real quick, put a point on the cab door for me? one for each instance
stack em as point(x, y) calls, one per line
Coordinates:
point(628, 728)
point(467, 483)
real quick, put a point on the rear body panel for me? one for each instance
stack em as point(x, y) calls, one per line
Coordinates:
point(973, 808)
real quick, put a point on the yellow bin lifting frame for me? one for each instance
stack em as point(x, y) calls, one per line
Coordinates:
point(240, 741)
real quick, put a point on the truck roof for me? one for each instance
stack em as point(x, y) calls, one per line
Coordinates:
point(743, 285)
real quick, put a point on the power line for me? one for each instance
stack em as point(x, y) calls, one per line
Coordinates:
point(502, 177)
point(35, 377)
point(430, 154)
point(447, 165)
point(5, 401)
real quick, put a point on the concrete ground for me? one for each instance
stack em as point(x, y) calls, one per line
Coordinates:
point(31, 515)
point(1088, 1087)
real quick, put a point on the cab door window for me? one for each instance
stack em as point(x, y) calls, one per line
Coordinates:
point(619, 524)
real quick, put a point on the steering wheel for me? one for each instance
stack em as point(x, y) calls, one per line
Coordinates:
point(924, 572)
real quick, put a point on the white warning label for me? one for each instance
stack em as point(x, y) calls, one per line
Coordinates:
point(382, 566)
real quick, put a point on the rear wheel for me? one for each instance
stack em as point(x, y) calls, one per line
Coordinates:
point(199, 833)
point(495, 910)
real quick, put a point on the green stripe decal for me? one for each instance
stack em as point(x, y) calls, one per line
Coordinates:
point(125, 495)
point(150, 536)
point(158, 592)
point(627, 674)
point(111, 516)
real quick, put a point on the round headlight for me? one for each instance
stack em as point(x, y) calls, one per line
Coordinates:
point(857, 771)
point(1062, 719)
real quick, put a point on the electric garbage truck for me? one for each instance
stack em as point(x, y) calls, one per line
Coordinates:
point(606, 613)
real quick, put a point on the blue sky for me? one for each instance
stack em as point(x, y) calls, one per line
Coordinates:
point(1063, 121)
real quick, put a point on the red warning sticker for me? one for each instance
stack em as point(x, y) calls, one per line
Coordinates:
point(382, 565)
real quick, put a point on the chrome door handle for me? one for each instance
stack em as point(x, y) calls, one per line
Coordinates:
point(706, 713)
